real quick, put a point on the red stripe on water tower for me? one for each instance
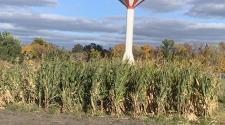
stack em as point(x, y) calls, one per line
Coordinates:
point(134, 3)
point(128, 4)
point(122, 1)
point(125, 3)
point(140, 2)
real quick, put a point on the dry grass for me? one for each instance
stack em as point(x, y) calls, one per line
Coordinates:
point(114, 88)
point(220, 115)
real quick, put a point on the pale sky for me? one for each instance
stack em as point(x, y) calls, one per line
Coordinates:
point(67, 22)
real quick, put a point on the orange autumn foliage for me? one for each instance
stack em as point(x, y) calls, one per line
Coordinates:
point(118, 50)
point(146, 51)
point(37, 49)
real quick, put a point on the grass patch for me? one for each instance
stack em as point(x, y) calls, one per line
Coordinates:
point(221, 93)
point(162, 120)
point(53, 110)
point(23, 108)
point(176, 120)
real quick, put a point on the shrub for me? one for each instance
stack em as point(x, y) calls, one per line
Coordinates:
point(9, 47)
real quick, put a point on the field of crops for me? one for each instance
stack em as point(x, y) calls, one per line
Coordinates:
point(111, 87)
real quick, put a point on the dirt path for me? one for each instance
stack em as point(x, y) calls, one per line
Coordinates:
point(21, 118)
point(18, 118)
point(220, 117)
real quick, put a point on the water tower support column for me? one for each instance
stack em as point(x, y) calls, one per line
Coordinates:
point(128, 56)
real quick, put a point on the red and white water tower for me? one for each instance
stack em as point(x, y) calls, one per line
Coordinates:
point(130, 4)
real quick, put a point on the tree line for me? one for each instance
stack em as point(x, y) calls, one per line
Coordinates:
point(12, 50)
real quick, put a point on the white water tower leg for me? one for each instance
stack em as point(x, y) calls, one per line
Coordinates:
point(128, 56)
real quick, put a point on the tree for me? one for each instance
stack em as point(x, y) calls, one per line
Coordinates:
point(77, 48)
point(118, 51)
point(183, 51)
point(40, 41)
point(37, 49)
point(88, 48)
point(10, 47)
point(168, 48)
point(95, 48)
point(146, 51)
point(222, 46)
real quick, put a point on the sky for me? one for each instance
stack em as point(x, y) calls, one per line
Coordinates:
point(68, 22)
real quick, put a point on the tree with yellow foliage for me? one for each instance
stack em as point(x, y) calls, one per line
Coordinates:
point(118, 51)
point(37, 49)
point(222, 46)
point(146, 51)
point(183, 51)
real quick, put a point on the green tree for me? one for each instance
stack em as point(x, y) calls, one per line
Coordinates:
point(168, 49)
point(40, 41)
point(10, 47)
point(95, 48)
point(77, 48)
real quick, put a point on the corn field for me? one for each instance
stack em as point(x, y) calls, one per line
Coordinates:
point(111, 87)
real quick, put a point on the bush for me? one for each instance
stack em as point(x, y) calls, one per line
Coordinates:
point(38, 49)
point(10, 47)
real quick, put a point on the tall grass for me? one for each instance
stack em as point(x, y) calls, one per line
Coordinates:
point(112, 87)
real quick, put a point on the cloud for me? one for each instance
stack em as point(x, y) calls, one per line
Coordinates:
point(193, 8)
point(28, 2)
point(20, 19)
point(164, 5)
point(6, 26)
point(180, 30)
point(65, 31)
point(207, 8)
point(37, 21)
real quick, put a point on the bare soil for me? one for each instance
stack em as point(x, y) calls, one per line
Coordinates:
point(20, 118)
point(42, 118)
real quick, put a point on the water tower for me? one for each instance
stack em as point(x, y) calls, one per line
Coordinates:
point(130, 4)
